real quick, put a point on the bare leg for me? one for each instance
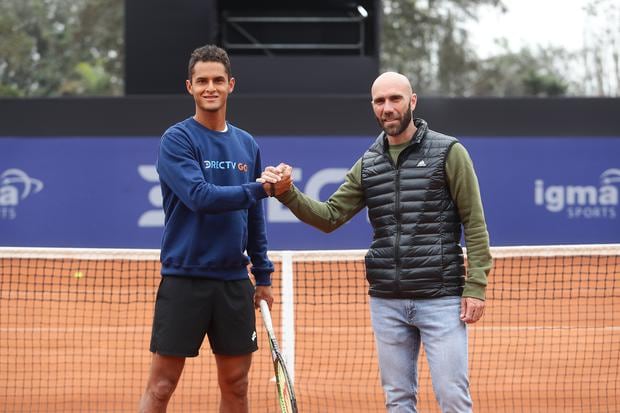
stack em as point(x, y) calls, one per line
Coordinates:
point(232, 375)
point(163, 378)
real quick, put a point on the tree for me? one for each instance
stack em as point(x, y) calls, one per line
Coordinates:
point(522, 73)
point(427, 41)
point(601, 54)
point(61, 47)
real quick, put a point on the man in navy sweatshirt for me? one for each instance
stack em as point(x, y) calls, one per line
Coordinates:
point(213, 215)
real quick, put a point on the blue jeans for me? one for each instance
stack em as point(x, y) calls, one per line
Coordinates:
point(400, 325)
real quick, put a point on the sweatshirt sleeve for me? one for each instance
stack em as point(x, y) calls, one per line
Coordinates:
point(341, 206)
point(257, 248)
point(179, 169)
point(463, 184)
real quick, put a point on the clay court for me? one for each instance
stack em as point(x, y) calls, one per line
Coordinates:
point(71, 342)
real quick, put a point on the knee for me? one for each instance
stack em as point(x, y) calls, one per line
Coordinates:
point(235, 386)
point(162, 389)
point(454, 397)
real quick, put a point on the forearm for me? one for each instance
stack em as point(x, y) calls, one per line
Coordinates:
point(321, 215)
point(213, 199)
point(347, 201)
point(479, 265)
point(262, 267)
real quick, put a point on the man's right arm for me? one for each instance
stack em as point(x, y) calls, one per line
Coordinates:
point(341, 206)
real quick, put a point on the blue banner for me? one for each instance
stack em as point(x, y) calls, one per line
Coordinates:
point(104, 191)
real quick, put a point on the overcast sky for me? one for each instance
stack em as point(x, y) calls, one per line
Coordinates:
point(530, 22)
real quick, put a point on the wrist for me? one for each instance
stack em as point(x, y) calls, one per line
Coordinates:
point(269, 188)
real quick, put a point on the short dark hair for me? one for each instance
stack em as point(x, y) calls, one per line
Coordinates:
point(208, 53)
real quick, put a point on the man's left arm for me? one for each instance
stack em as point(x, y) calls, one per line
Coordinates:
point(463, 184)
point(262, 267)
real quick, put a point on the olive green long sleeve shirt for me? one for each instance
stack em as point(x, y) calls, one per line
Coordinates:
point(349, 199)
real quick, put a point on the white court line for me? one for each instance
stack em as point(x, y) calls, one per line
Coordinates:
point(526, 328)
point(137, 329)
point(356, 330)
point(91, 329)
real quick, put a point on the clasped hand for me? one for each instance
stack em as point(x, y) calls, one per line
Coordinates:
point(277, 180)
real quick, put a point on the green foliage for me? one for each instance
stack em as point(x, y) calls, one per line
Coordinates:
point(61, 47)
point(522, 73)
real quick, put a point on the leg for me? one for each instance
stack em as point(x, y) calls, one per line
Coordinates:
point(179, 326)
point(444, 337)
point(163, 378)
point(398, 345)
point(232, 376)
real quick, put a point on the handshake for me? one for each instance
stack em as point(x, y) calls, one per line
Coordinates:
point(277, 180)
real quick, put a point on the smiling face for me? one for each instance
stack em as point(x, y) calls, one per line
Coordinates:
point(210, 86)
point(393, 102)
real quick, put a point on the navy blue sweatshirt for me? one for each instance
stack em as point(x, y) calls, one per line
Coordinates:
point(212, 204)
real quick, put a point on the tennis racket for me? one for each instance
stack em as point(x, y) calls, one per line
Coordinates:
point(286, 395)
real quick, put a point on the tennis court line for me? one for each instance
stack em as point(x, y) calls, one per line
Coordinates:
point(137, 329)
point(89, 329)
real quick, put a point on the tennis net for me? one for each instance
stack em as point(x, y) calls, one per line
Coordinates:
point(75, 327)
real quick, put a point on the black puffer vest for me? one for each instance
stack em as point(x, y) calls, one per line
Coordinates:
point(415, 251)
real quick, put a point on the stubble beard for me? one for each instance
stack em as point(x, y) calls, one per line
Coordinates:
point(400, 127)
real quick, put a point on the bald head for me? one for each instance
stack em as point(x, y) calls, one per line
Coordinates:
point(391, 80)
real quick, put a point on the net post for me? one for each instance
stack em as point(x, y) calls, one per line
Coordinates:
point(288, 313)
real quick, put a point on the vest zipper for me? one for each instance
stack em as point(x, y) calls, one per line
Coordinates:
point(398, 266)
point(398, 230)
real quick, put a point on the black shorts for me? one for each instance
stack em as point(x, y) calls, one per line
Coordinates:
point(188, 308)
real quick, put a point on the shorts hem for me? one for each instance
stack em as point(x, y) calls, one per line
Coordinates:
point(236, 353)
point(174, 353)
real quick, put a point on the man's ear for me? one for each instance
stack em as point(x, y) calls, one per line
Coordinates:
point(231, 85)
point(188, 86)
point(414, 101)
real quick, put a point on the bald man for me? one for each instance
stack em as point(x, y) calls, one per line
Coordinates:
point(421, 191)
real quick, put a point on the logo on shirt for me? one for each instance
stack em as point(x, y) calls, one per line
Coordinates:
point(581, 201)
point(15, 187)
point(240, 166)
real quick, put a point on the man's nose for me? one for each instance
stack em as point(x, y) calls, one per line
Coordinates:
point(388, 107)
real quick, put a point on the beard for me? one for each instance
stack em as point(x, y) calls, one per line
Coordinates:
point(400, 127)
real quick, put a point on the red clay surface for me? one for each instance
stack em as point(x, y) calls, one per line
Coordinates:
point(549, 341)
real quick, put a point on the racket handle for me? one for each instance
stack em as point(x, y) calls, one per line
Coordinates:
point(264, 310)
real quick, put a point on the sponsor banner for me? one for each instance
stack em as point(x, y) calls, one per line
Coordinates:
point(104, 192)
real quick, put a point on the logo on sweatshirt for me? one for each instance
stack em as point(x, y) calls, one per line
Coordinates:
point(240, 166)
point(581, 201)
